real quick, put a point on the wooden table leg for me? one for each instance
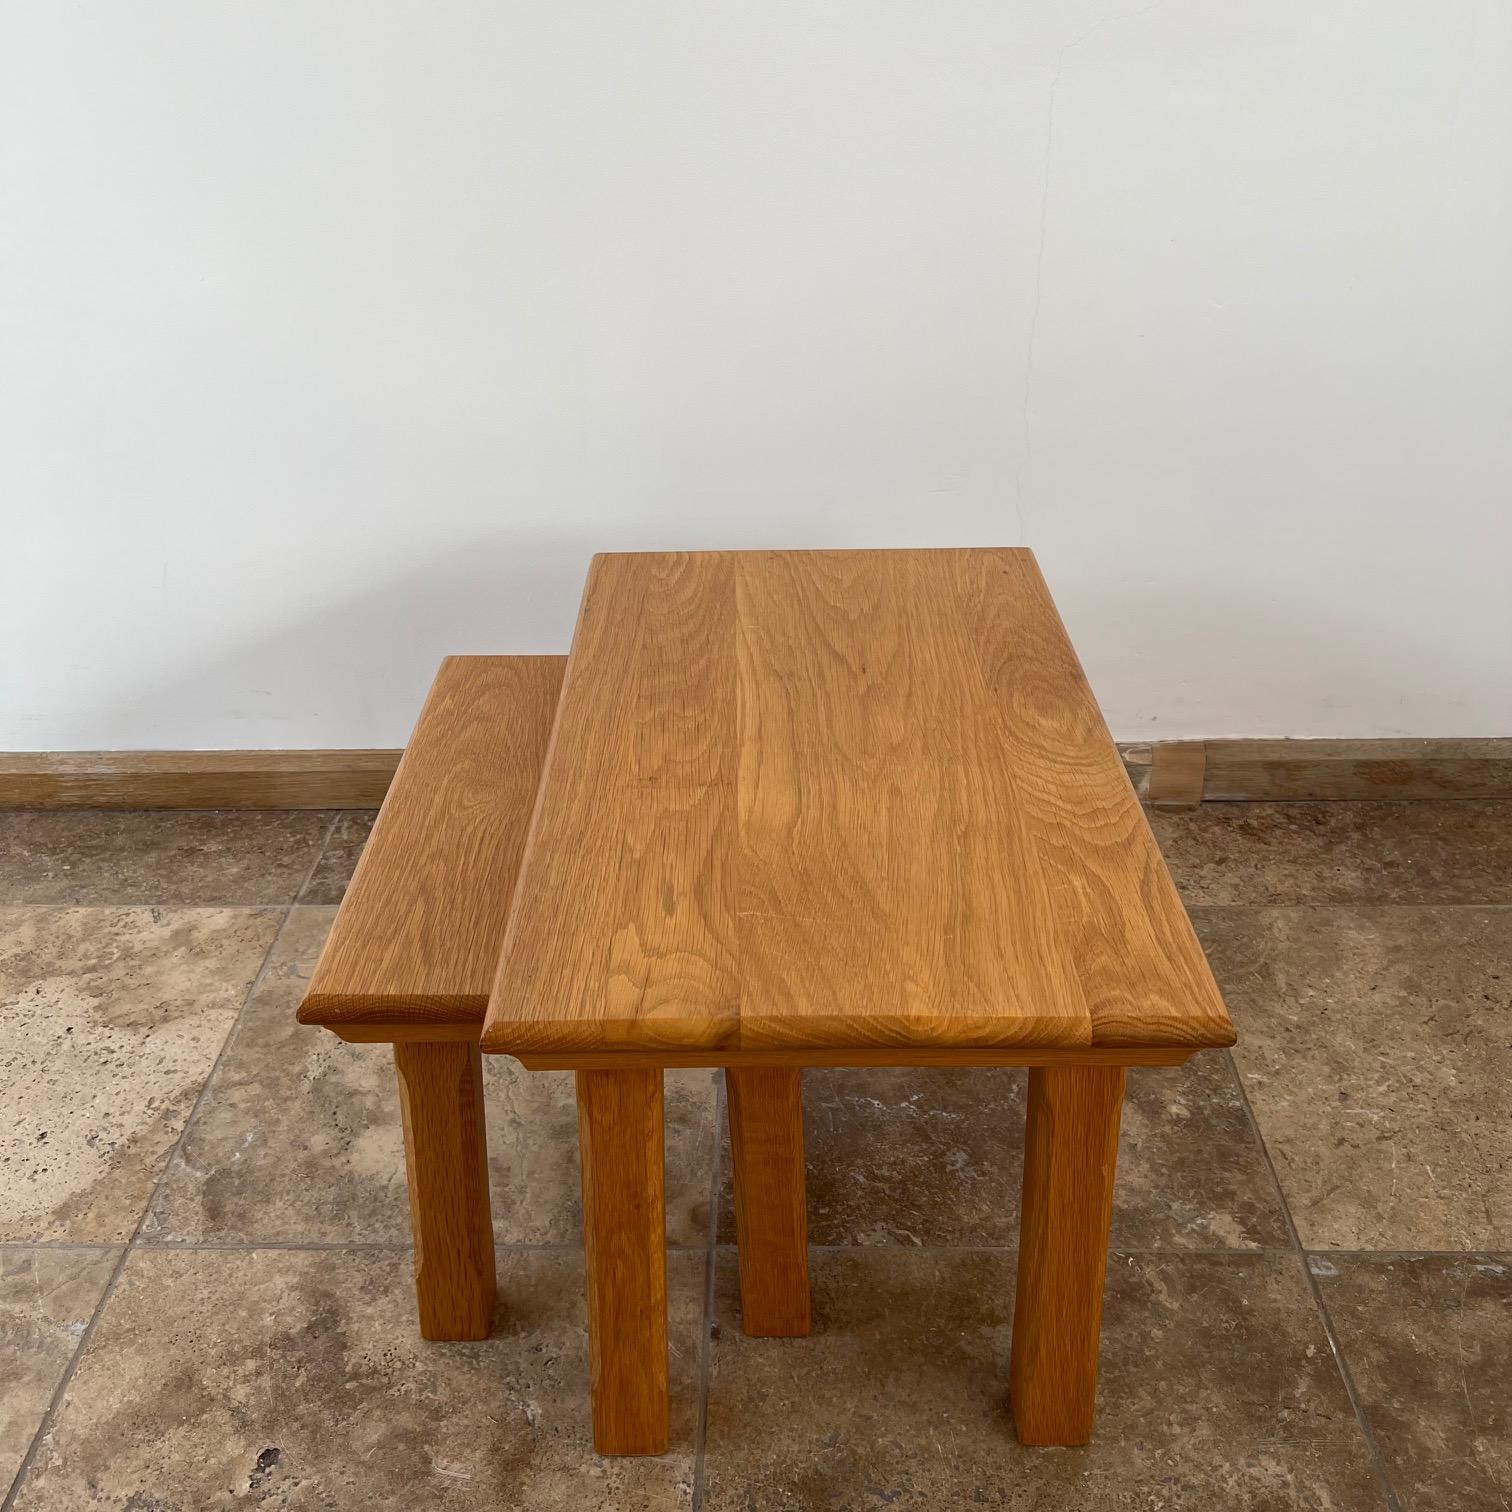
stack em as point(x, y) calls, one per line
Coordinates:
point(771, 1222)
point(1070, 1148)
point(446, 1153)
point(625, 1250)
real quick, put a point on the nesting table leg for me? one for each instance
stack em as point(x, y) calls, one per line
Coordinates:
point(1070, 1148)
point(446, 1154)
point(766, 1137)
point(624, 1244)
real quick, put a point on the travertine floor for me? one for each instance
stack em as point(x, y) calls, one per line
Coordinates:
point(204, 1282)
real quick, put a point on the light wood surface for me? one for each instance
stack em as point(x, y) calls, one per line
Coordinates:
point(1242, 771)
point(417, 938)
point(354, 779)
point(1070, 1150)
point(838, 799)
point(446, 1154)
point(195, 779)
point(771, 1218)
point(1176, 768)
point(624, 1251)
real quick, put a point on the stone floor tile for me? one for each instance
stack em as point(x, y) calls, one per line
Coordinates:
point(932, 1156)
point(1218, 1390)
point(1429, 1342)
point(299, 1139)
point(1376, 1048)
point(110, 1020)
point(1456, 851)
point(188, 858)
point(46, 1298)
point(328, 882)
point(1192, 1173)
point(297, 1379)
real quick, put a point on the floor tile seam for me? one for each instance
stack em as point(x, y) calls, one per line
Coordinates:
point(1492, 1254)
point(44, 1426)
point(288, 901)
point(1360, 906)
point(378, 1246)
point(233, 1035)
point(1325, 1318)
point(136, 903)
point(729, 1247)
point(320, 855)
point(1132, 1252)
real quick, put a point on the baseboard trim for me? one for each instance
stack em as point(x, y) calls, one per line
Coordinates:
point(1259, 771)
point(1178, 771)
point(1164, 772)
point(195, 779)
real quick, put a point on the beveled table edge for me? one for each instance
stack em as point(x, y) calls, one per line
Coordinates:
point(897, 1055)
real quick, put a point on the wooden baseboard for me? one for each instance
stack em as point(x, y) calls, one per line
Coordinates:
point(195, 779)
point(1257, 771)
point(1175, 773)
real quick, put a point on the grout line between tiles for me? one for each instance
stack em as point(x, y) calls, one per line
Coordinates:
point(1289, 800)
point(1373, 1449)
point(1360, 906)
point(309, 876)
point(404, 1246)
point(252, 1246)
point(706, 1341)
point(263, 907)
point(1411, 1254)
point(711, 1244)
point(1012, 1249)
point(320, 855)
point(337, 1246)
point(66, 1380)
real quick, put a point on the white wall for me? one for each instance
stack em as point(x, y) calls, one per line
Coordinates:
point(337, 335)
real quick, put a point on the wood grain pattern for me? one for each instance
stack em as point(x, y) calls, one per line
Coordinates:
point(446, 1154)
point(624, 1251)
point(838, 799)
point(417, 938)
point(195, 779)
point(1176, 773)
point(1266, 770)
point(771, 1216)
point(1239, 771)
point(1070, 1150)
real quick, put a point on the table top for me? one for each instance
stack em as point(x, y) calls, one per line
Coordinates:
point(841, 799)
